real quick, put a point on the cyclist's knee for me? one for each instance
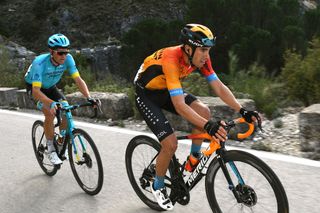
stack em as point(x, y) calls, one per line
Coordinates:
point(169, 144)
point(48, 116)
point(202, 109)
point(205, 112)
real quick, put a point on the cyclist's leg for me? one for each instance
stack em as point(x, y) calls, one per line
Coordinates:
point(204, 111)
point(63, 125)
point(48, 123)
point(168, 148)
point(200, 108)
point(159, 125)
point(55, 94)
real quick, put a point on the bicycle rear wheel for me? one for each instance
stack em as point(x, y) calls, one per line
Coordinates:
point(85, 162)
point(140, 164)
point(259, 187)
point(40, 148)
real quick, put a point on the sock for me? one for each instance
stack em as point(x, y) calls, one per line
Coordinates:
point(50, 146)
point(158, 182)
point(195, 149)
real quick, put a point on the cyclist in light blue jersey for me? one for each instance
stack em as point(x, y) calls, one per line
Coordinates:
point(41, 78)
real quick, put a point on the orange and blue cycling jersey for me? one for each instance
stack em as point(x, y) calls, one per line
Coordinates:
point(42, 73)
point(166, 67)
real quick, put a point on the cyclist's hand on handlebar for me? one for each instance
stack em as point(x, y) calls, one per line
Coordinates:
point(95, 102)
point(216, 129)
point(251, 116)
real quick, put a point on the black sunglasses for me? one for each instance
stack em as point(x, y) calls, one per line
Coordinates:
point(62, 53)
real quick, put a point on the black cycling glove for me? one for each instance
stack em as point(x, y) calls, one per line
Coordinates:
point(94, 102)
point(212, 127)
point(247, 115)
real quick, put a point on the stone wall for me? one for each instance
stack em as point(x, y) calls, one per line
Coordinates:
point(114, 105)
point(309, 125)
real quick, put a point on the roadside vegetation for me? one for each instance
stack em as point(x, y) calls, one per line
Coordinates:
point(266, 50)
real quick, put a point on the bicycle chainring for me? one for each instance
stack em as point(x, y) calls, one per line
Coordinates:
point(180, 193)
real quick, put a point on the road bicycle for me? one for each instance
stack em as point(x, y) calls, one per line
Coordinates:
point(77, 146)
point(235, 181)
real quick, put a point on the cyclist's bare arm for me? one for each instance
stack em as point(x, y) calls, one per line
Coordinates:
point(81, 84)
point(225, 94)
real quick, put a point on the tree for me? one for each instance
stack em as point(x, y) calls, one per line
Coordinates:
point(144, 39)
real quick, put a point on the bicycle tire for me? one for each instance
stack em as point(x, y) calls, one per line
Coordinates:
point(40, 148)
point(249, 167)
point(85, 163)
point(151, 147)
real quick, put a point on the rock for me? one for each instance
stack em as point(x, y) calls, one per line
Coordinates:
point(104, 60)
point(309, 127)
point(24, 100)
point(113, 105)
point(8, 96)
point(19, 55)
point(219, 111)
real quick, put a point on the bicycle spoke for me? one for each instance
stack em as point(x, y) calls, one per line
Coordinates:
point(256, 187)
point(40, 148)
point(85, 162)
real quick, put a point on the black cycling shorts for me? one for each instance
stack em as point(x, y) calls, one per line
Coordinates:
point(53, 93)
point(150, 105)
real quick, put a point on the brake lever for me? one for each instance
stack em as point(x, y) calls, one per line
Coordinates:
point(96, 107)
point(259, 123)
point(229, 125)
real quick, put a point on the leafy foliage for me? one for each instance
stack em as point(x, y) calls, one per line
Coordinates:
point(256, 31)
point(8, 73)
point(143, 39)
point(257, 84)
point(196, 85)
point(301, 75)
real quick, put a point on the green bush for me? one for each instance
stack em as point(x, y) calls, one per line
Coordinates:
point(196, 85)
point(142, 40)
point(301, 76)
point(9, 77)
point(255, 82)
point(67, 83)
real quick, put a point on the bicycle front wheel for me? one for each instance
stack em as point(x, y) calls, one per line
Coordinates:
point(258, 187)
point(140, 158)
point(85, 162)
point(39, 145)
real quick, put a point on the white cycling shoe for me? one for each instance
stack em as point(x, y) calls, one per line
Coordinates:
point(162, 198)
point(54, 159)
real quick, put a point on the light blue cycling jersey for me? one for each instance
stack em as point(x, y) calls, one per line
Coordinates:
point(42, 73)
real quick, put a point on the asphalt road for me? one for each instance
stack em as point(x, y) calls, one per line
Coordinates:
point(24, 188)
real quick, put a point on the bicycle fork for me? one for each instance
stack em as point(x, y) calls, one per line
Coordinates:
point(228, 177)
point(71, 127)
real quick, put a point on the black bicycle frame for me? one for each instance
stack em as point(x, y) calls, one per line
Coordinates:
point(197, 174)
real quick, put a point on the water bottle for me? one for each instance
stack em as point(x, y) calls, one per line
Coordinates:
point(60, 139)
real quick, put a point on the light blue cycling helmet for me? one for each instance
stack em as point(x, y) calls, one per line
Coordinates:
point(58, 40)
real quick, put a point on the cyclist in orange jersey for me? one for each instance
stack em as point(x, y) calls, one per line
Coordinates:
point(158, 87)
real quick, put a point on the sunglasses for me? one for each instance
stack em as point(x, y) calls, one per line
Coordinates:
point(62, 52)
point(209, 42)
